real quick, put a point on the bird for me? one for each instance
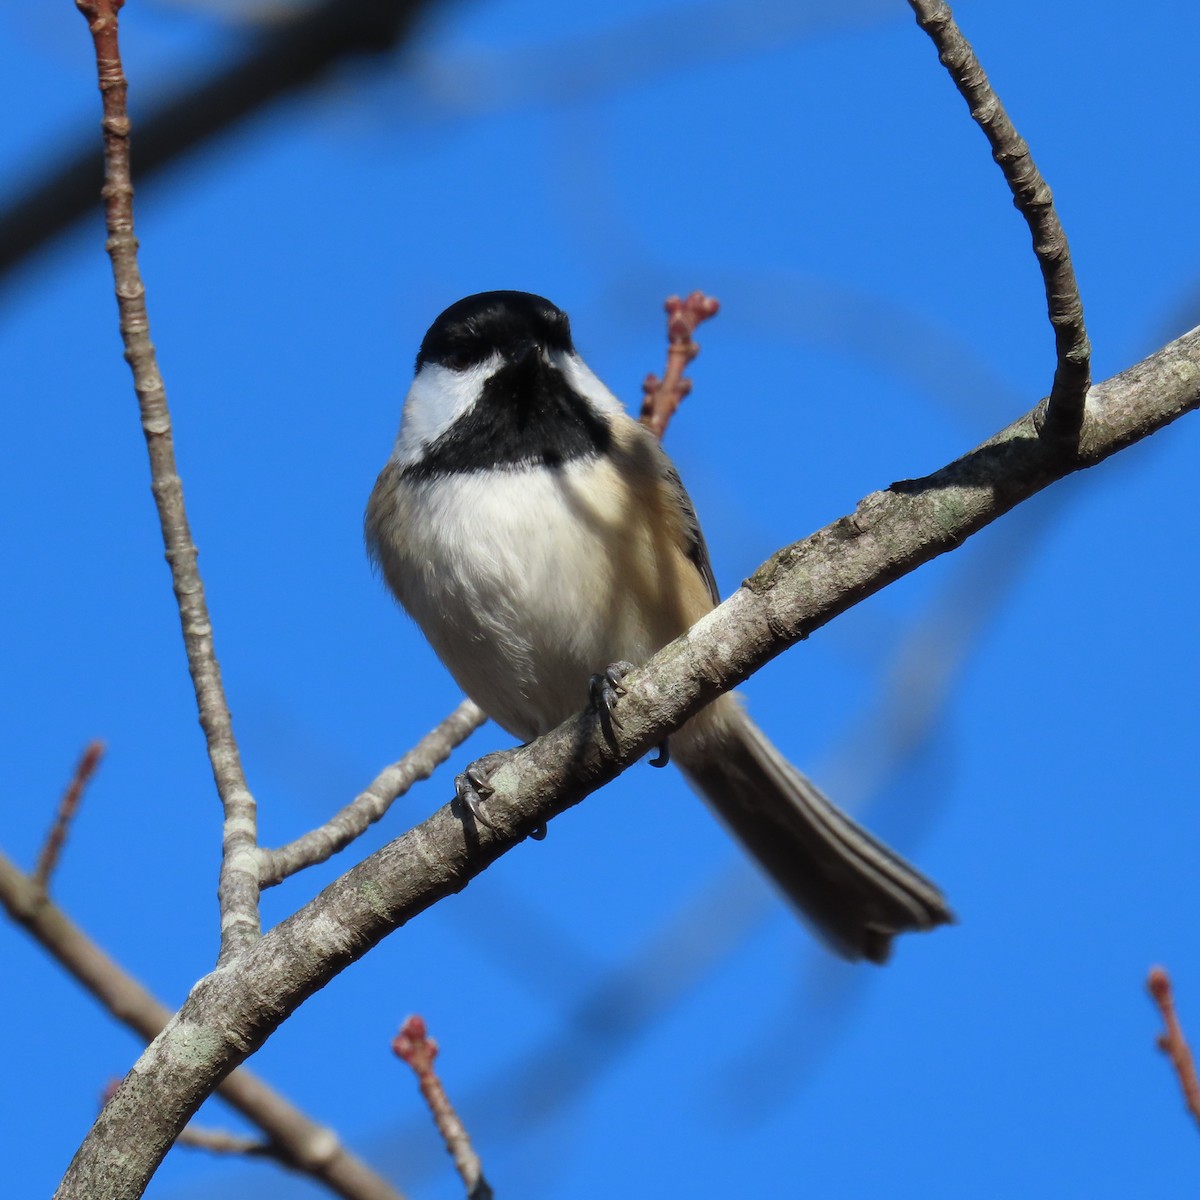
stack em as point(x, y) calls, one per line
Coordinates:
point(542, 541)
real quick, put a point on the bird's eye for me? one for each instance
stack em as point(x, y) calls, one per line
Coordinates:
point(456, 360)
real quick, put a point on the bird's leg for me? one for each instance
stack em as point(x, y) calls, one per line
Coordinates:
point(472, 788)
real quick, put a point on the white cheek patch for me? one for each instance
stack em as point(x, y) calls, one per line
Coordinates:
point(581, 377)
point(438, 397)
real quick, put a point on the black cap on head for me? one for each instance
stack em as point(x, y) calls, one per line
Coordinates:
point(476, 327)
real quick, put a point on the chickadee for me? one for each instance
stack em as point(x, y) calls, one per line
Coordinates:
point(538, 534)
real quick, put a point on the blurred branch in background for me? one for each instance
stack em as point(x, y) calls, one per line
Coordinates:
point(298, 50)
point(648, 46)
point(289, 55)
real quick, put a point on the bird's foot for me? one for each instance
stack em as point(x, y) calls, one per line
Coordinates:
point(472, 788)
point(605, 690)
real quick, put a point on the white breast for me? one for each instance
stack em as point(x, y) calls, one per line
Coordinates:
point(526, 582)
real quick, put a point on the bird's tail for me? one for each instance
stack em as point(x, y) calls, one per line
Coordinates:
point(855, 892)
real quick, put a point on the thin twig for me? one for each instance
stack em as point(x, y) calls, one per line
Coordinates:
point(388, 786)
point(1034, 201)
point(224, 1141)
point(661, 397)
point(238, 887)
point(68, 806)
point(1172, 1042)
point(302, 1143)
point(414, 1046)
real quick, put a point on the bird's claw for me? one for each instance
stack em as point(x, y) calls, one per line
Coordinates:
point(664, 754)
point(605, 691)
point(472, 789)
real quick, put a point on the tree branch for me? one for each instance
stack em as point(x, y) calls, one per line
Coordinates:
point(365, 809)
point(238, 886)
point(296, 1139)
point(232, 1011)
point(1034, 201)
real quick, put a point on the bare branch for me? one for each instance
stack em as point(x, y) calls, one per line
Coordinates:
point(364, 810)
point(232, 1011)
point(414, 1046)
point(238, 887)
point(1172, 1042)
point(68, 806)
point(661, 397)
point(1034, 201)
point(298, 1140)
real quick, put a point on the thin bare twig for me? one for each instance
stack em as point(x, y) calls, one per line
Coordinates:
point(414, 1046)
point(224, 1141)
point(238, 886)
point(388, 786)
point(1034, 201)
point(1172, 1042)
point(661, 397)
point(68, 806)
point(302, 1143)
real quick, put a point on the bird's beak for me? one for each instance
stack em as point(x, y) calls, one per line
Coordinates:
point(525, 354)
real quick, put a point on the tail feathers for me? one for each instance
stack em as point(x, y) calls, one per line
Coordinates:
point(855, 891)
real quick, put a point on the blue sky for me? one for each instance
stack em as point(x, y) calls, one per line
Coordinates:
point(625, 1008)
